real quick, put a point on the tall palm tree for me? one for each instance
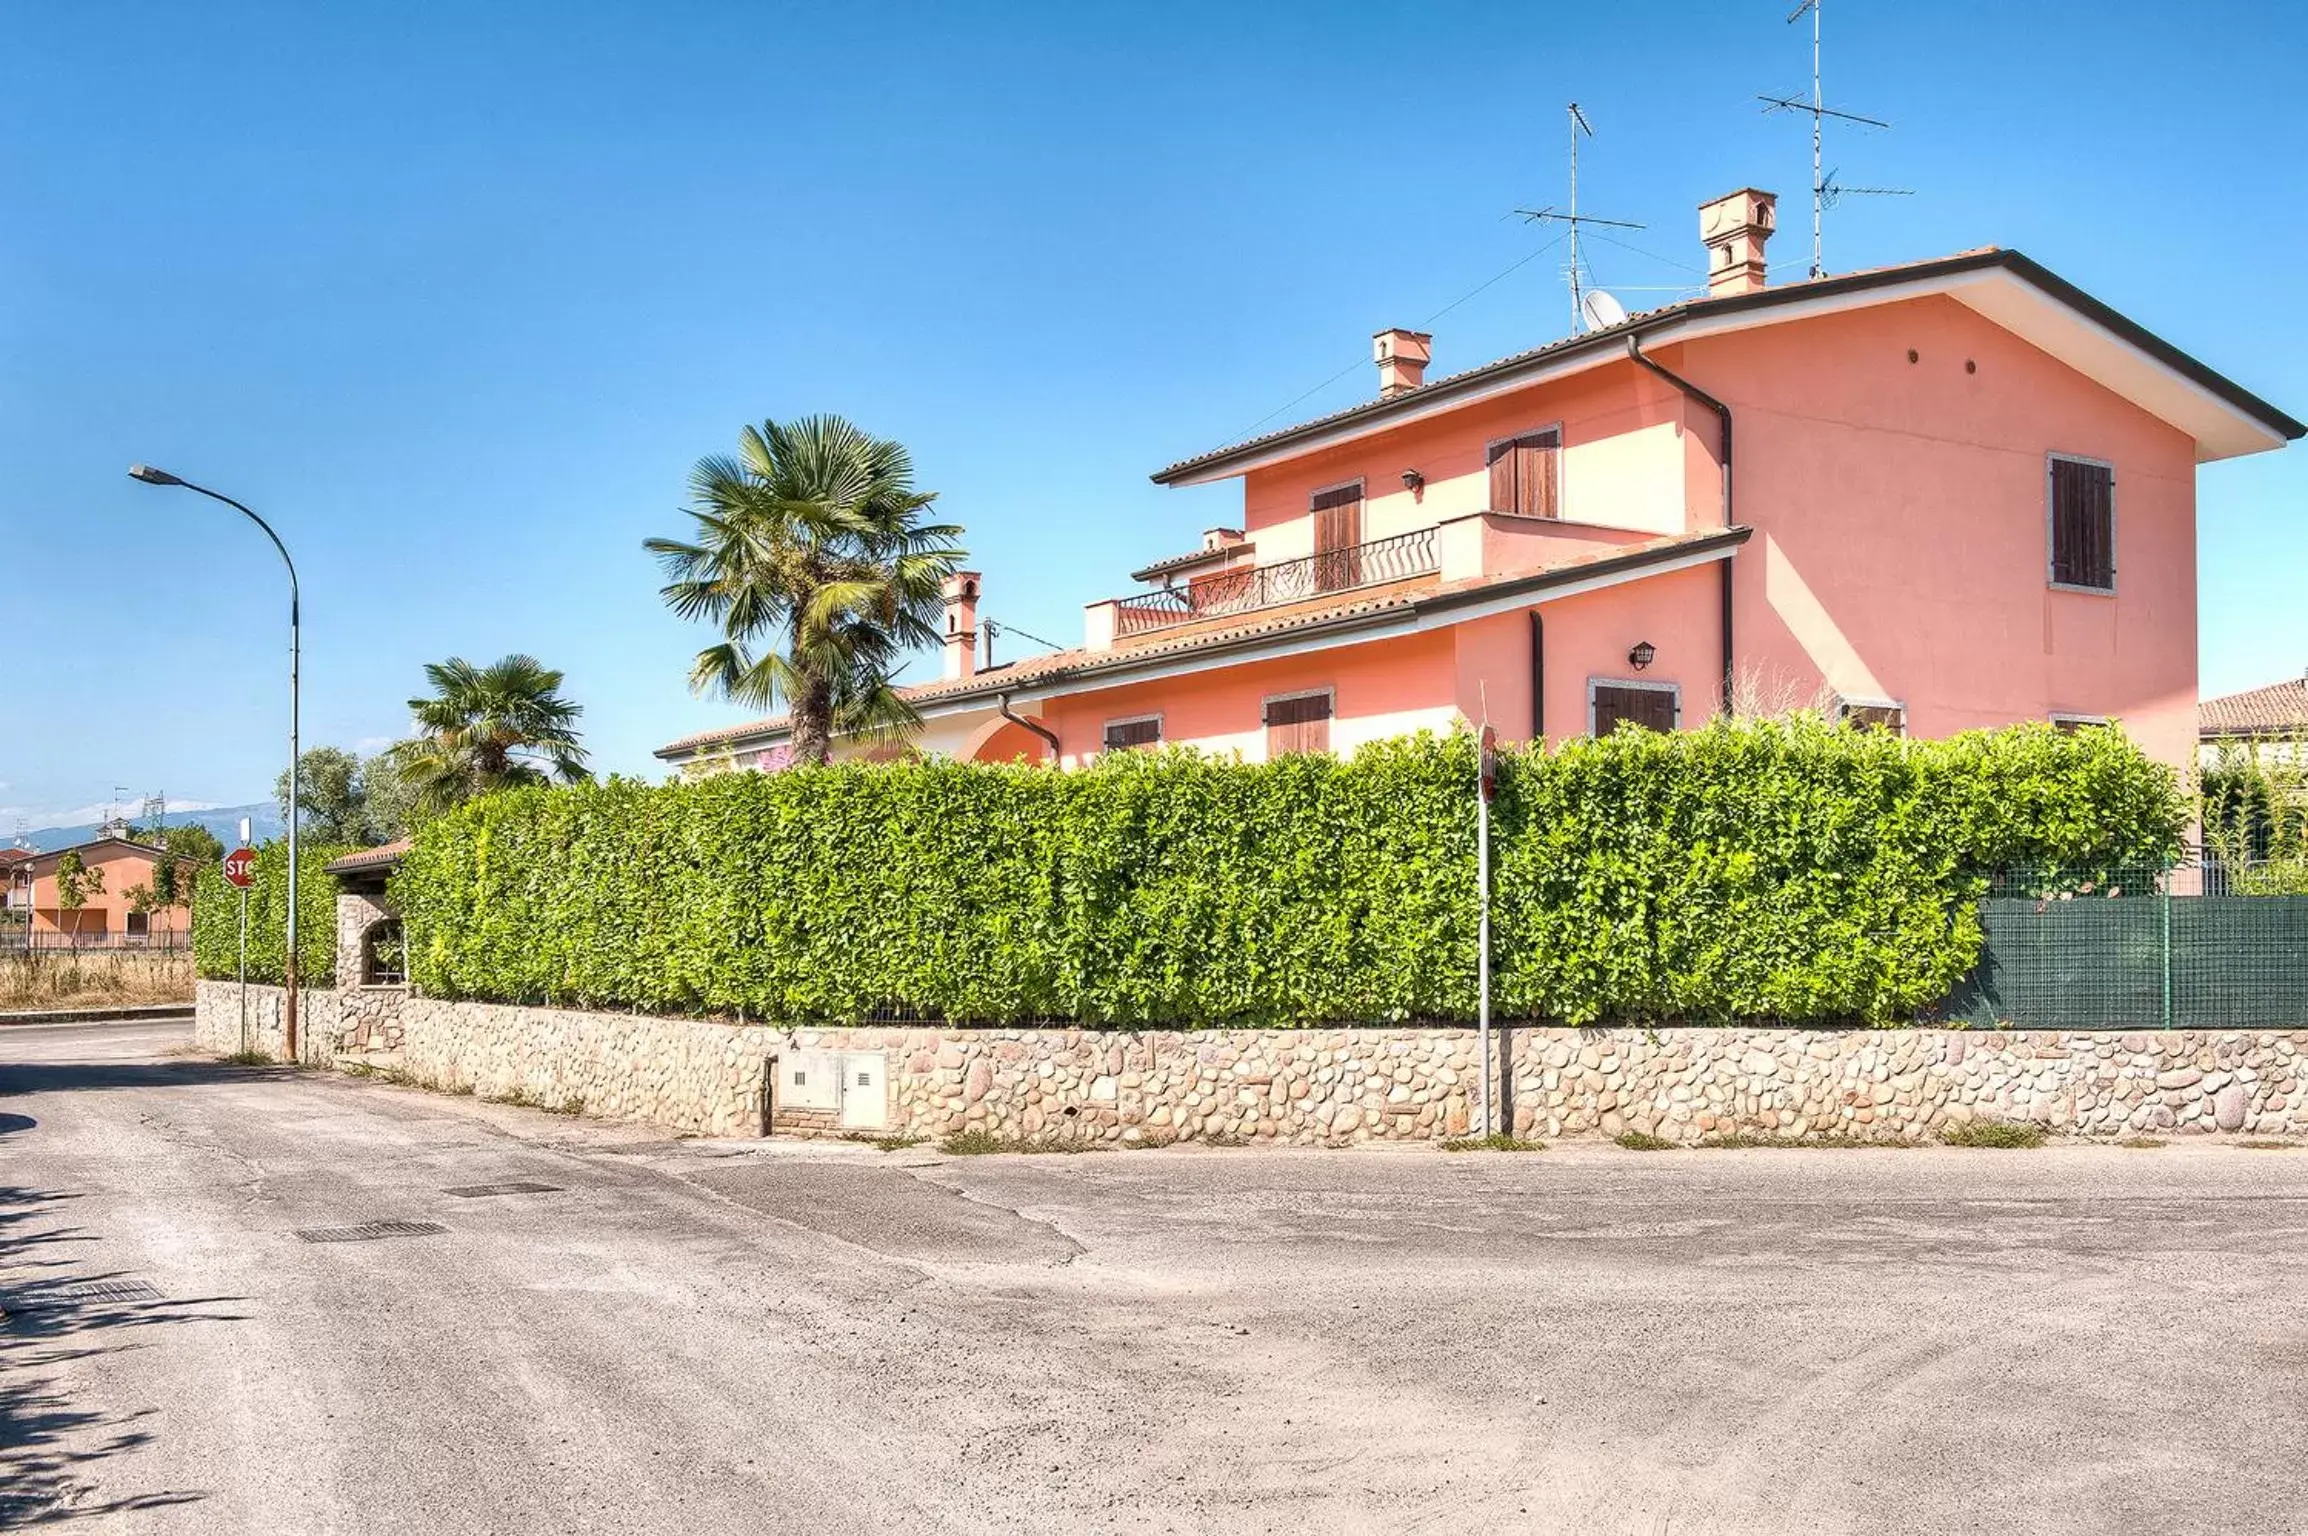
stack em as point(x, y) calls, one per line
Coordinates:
point(810, 554)
point(488, 728)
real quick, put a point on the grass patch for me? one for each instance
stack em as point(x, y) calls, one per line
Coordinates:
point(1994, 1133)
point(1643, 1141)
point(2142, 1143)
point(249, 1059)
point(2262, 1144)
point(887, 1143)
point(984, 1143)
point(1496, 1141)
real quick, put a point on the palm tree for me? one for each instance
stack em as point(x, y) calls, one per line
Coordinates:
point(488, 728)
point(811, 556)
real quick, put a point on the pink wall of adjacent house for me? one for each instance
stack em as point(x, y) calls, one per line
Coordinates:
point(103, 912)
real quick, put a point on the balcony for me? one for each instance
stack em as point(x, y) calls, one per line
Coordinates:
point(1287, 581)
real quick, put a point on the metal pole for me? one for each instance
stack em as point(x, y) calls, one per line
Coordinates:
point(244, 971)
point(152, 476)
point(1483, 946)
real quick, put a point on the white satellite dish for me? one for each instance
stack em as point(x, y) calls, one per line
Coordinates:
point(1602, 311)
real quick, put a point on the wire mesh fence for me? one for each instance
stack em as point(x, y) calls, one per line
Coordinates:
point(2203, 945)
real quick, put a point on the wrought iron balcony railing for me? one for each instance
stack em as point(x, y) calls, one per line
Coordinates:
point(1285, 581)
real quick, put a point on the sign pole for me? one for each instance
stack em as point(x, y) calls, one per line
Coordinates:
point(240, 872)
point(1486, 785)
point(244, 972)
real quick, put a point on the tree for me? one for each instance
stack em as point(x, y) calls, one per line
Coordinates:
point(187, 848)
point(391, 800)
point(488, 728)
point(811, 555)
point(75, 883)
point(332, 803)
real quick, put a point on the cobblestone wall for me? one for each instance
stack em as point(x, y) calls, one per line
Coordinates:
point(1326, 1086)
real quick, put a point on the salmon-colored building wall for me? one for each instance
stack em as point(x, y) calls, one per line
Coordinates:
point(1624, 464)
point(102, 912)
point(1902, 543)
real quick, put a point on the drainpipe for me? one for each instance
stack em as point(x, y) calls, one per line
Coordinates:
point(1722, 415)
point(1538, 679)
point(1002, 704)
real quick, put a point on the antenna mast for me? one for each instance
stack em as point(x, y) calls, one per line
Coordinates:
point(1573, 219)
point(1824, 190)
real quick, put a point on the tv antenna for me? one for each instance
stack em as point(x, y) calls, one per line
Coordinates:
point(1573, 219)
point(1824, 189)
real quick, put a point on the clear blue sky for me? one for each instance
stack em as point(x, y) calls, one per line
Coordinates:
point(457, 293)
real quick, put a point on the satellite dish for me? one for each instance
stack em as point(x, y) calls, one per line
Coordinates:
point(1602, 311)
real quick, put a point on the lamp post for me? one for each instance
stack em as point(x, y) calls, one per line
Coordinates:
point(152, 476)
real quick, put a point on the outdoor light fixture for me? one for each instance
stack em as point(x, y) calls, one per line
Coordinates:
point(151, 476)
point(1412, 480)
point(1640, 656)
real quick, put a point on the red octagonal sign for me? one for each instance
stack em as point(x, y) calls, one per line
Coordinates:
point(240, 867)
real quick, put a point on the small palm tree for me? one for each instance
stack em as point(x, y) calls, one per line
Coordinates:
point(811, 555)
point(488, 728)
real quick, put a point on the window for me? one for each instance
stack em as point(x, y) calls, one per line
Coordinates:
point(1299, 723)
point(1129, 735)
point(2083, 524)
point(1874, 716)
point(139, 925)
point(384, 954)
point(1338, 537)
point(1523, 473)
point(1653, 706)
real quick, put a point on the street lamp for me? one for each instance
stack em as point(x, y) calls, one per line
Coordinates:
point(152, 476)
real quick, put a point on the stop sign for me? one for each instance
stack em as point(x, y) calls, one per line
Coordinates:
point(240, 867)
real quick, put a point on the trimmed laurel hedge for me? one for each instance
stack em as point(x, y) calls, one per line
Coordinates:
point(216, 918)
point(1786, 871)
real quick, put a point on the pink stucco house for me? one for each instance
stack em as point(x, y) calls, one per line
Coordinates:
point(1954, 493)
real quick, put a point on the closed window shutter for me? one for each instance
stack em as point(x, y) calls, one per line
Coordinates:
point(1126, 735)
point(1651, 708)
point(2083, 524)
point(1523, 473)
point(1297, 725)
point(1338, 538)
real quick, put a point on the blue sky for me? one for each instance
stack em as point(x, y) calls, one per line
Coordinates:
point(455, 294)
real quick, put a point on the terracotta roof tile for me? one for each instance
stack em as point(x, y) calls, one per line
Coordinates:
point(2279, 709)
point(384, 856)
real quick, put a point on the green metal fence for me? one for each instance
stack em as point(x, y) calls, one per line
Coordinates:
point(2173, 949)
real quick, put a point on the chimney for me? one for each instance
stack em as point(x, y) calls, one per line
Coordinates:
point(961, 625)
point(1402, 358)
point(1735, 229)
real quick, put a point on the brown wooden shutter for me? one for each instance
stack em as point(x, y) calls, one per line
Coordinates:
point(1523, 473)
point(1338, 538)
point(2083, 524)
point(1129, 735)
point(1500, 457)
point(1651, 708)
point(1297, 725)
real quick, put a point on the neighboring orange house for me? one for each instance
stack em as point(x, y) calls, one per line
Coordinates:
point(1955, 493)
point(104, 914)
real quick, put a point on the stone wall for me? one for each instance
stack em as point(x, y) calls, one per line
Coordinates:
point(1314, 1087)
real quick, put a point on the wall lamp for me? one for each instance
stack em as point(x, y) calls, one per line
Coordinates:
point(1412, 481)
point(1641, 656)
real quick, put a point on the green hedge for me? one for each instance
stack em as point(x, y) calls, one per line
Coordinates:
point(1748, 871)
point(216, 918)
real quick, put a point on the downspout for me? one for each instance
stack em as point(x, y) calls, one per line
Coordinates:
point(1538, 679)
point(1002, 705)
point(1722, 415)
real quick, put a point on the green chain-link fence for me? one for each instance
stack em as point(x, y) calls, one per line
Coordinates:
point(2176, 949)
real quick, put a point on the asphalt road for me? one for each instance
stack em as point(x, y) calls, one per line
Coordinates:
point(707, 1337)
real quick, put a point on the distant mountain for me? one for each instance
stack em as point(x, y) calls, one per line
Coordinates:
point(223, 820)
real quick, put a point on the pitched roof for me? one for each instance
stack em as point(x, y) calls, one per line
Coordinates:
point(1190, 559)
point(1614, 338)
point(383, 857)
point(2278, 709)
point(1417, 593)
point(96, 842)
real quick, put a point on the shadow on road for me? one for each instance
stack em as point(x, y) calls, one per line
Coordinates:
point(65, 1076)
point(49, 1318)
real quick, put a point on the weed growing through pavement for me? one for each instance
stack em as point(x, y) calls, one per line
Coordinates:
point(889, 1143)
point(248, 1059)
point(1496, 1141)
point(2264, 1145)
point(1831, 1140)
point(2142, 1143)
point(1643, 1141)
point(1994, 1133)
